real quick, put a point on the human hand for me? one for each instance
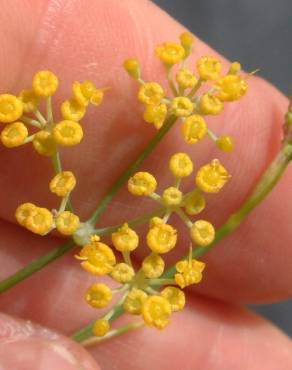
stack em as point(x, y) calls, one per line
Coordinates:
point(80, 40)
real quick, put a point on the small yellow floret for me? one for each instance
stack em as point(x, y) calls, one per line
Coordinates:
point(181, 165)
point(170, 53)
point(231, 87)
point(202, 233)
point(97, 97)
point(67, 223)
point(189, 272)
point(98, 295)
point(132, 66)
point(44, 143)
point(45, 83)
point(63, 183)
point(172, 196)
point(123, 273)
point(156, 311)
point(194, 203)
point(186, 79)
point(97, 258)
point(14, 134)
point(29, 100)
point(209, 68)
point(101, 327)
point(161, 238)
point(235, 67)
point(155, 114)
point(194, 129)
point(40, 221)
point(187, 40)
point(11, 108)
point(210, 104)
point(153, 266)
point(182, 106)
point(23, 211)
point(67, 133)
point(212, 177)
point(134, 301)
point(175, 297)
point(150, 93)
point(125, 239)
point(225, 143)
point(72, 110)
point(142, 184)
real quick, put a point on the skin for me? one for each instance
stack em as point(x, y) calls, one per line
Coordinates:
point(81, 40)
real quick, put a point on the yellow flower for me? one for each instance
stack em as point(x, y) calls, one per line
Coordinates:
point(194, 129)
point(44, 143)
point(67, 223)
point(14, 134)
point(23, 211)
point(194, 203)
point(156, 311)
point(67, 133)
point(209, 68)
point(175, 297)
point(161, 238)
point(63, 183)
point(97, 97)
point(182, 106)
point(125, 239)
point(153, 266)
point(202, 233)
point(97, 258)
point(72, 110)
point(134, 301)
point(210, 104)
point(186, 79)
point(231, 87)
point(150, 93)
point(45, 83)
point(189, 272)
point(11, 108)
point(225, 143)
point(170, 53)
point(172, 197)
point(101, 327)
point(142, 184)
point(29, 100)
point(187, 40)
point(181, 165)
point(212, 177)
point(235, 67)
point(123, 273)
point(155, 114)
point(39, 221)
point(98, 295)
point(132, 67)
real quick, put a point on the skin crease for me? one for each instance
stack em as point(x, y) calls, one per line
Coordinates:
point(78, 42)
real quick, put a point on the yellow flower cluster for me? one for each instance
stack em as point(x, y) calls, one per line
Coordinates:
point(47, 133)
point(139, 287)
point(188, 102)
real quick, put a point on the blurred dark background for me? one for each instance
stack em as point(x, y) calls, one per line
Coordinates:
point(258, 33)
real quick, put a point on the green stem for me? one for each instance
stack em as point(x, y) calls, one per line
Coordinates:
point(35, 266)
point(113, 333)
point(134, 222)
point(132, 168)
point(269, 179)
point(57, 162)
